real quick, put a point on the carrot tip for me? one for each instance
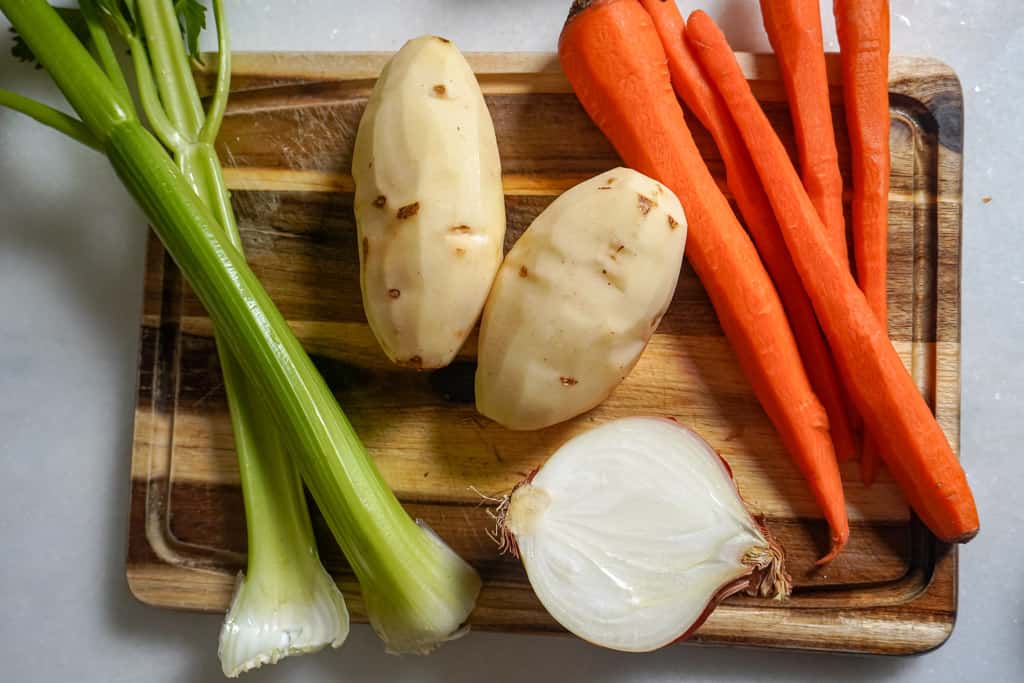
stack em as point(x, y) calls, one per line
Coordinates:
point(838, 543)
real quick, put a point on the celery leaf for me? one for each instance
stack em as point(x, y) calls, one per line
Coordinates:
point(192, 19)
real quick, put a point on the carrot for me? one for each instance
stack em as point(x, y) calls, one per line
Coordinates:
point(794, 30)
point(863, 30)
point(743, 182)
point(611, 54)
point(919, 455)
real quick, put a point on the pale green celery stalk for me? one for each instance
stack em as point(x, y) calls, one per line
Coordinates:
point(104, 50)
point(170, 64)
point(48, 116)
point(417, 591)
point(286, 603)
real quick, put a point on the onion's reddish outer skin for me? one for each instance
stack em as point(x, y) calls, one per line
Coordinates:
point(728, 590)
point(735, 586)
point(728, 468)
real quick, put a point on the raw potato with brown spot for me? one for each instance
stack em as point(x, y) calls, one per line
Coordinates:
point(429, 205)
point(573, 304)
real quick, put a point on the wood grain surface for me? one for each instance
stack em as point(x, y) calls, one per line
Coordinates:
point(287, 144)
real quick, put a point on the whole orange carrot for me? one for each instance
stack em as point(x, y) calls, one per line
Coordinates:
point(863, 30)
point(920, 457)
point(794, 30)
point(611, 54)
point(745, 185)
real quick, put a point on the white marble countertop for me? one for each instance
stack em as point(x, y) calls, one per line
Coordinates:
point(71, 257)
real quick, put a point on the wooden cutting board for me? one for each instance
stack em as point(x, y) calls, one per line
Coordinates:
point(287, 144)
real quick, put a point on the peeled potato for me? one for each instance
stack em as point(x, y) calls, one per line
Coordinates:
point(429, 206)
point(577, 299)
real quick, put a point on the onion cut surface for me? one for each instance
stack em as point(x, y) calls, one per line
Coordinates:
point(634, 531)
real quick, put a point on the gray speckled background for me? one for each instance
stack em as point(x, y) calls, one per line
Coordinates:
point(71, 256)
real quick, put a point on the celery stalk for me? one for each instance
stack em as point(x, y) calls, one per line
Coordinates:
point(285, 603)
point(417, 591)
point(48, 116)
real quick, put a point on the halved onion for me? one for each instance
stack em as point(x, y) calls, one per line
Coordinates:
point(632, 533)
